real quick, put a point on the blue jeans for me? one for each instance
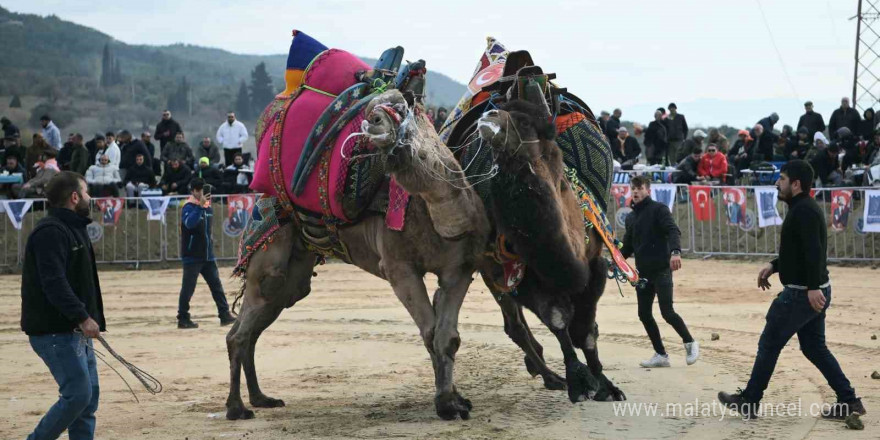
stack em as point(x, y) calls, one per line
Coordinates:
point(71, 360)
point(191, 272)
point(790, 314)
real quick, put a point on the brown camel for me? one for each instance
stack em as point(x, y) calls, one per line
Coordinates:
point(536, 209)
point(445, 234)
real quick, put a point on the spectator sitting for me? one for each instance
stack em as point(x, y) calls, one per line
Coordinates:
point(103, 178)
point(178, 149)
point(138, 177)
point(92, 145)
point(111, 150)
point(34, 154)
point(46, 168)
point(780, 147)
point(131, 148)
point(849, 145)
point(12, 167)
point(80, 159)
point(762, 144)
point(207, 148)
point(827, 165)
point(12, 147)
point(720, 141)
point(687, 168)
point(236, 177)
point(696, 141)
point(625, 148)
point(866, 126)
point(209, 174)
point(713, 165)
point(176, 178)
point(802, 143)
point(740, 154)
point(820, 144)
point(874, 151)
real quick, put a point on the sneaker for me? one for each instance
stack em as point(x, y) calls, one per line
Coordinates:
point(693, 352)
point(186, 324)
point(227, 319)
point(739, 404)
point(658, 361)
point(842, 410)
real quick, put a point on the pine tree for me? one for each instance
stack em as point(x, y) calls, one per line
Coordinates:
point(106, 66)
point(16, 102)
point(179, 100)
point(243, 103)
point(117, 72)
point(262, 90)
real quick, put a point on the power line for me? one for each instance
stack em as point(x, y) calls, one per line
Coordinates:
point(778, 53)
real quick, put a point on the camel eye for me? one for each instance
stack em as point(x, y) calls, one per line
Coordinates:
point(377, 119)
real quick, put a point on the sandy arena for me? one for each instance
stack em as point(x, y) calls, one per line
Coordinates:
point(349, 363)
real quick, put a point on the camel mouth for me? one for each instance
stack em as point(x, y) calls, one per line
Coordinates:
point(489, 125)
point(382, 124)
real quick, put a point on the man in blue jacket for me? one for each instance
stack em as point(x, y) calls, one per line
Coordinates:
point(197, 252)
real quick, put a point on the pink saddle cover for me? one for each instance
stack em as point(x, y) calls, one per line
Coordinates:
point(332, 72)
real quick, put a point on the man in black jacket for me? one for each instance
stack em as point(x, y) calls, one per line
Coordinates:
point(806, 295)
point(654, 239)
point(166, 129)
point(613, 124)
point(811, 120)
point(655, 140)
point(139, 177)
point(130, 148)
point(845, 116)
point(676, 133)
point(61, 307)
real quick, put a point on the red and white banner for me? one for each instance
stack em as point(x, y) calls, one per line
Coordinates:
point(735, 205)
point(622, 194)
point(239, 208)
point(111, 209)
point(841, 207)
point(701, 198)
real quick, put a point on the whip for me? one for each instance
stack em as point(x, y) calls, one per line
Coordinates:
point(150, 383)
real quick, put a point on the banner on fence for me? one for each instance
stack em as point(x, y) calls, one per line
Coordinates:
point(156, 207)
point(735, 205)
point(664, 194)
point(701, 198)
point(239, 207)
point(871, 218)
point(111, 209)
point(841, 207)
point(768, 215)
point(622, 195)
point(16, 209)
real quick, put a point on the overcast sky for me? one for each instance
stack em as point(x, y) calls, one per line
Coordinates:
point(633, 54)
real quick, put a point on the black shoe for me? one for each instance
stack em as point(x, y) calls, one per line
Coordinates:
point(739, 404)
point(227, 319)
point(842, 410)
point(186, 324)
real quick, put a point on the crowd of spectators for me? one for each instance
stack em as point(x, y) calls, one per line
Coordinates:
point(116, 163)
point(840, 157)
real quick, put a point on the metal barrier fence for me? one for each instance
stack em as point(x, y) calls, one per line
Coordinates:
point(133, 238)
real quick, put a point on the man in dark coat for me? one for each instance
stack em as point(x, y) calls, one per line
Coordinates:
point(845, 116)
point(676, 133)
point(166, 129)
point(687, 168)
point(157, 164)
point(62, 309)
point(801, 306)
point(655, 140)
point(811, 120)
point(131, 148)
point(625, 149)
point(176, 178)
point(9, 129)
point(613, 124)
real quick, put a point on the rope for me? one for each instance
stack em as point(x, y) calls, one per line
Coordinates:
point(778, 53)
point(150, 383)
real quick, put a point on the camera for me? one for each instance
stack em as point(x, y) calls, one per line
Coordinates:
point(207, 190)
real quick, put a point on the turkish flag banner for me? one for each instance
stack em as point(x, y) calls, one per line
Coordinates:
point(701, 198)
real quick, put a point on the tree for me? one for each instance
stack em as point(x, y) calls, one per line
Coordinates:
point(106, 66)
point(262, 90)
point(179, 100)
point(16, 102)
point(243, 103)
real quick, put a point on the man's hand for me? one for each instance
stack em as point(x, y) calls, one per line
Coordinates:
point(764, 277)
point(675, 262)
point(817, 300)
point(90, 328)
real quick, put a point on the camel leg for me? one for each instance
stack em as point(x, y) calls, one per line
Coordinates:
point(518, 330)
point(447, 304)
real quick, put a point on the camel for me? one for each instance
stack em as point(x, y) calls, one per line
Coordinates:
point(445, 234)
point(536, 209)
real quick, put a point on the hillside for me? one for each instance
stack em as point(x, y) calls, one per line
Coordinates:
point(62, 63)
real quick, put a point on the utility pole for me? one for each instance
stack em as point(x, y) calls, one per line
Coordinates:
point(866, 72)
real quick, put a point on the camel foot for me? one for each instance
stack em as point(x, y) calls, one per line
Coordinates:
point(582, 385)
point(450, 405)
point(552, 381)
point(531, 367)
point(608, 392)
point(263, 401)
point(239, 413)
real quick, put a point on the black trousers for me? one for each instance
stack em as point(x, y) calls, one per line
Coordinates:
point(229, 155)
point(208, 271)
point(660, 285)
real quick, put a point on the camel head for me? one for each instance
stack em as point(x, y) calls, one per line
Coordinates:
point(516, 130)
point(384, 116)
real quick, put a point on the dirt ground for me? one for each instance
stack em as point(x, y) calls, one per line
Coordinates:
point(349, 363)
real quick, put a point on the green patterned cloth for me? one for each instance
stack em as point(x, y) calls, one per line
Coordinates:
point(586, 150)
